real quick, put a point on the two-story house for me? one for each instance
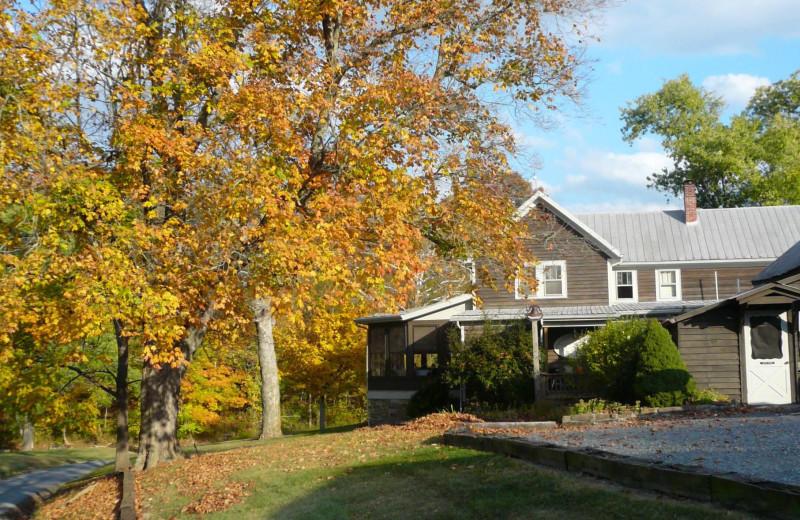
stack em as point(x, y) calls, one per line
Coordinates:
point(592, 268)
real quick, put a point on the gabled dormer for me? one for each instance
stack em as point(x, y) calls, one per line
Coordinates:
point(572, 261)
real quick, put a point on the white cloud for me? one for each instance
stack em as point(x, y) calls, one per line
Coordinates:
point(648, 144)
point(594, 179)
point(574, 180)
point(615, 67)
point(550, 189)
point(534, 141)
point(632, 168)
point(692, 27)
point(737, 89)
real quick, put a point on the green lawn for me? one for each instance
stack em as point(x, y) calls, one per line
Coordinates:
point(370, 474)
point(15, 463)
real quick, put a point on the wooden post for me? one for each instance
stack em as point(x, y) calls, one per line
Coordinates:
point(537, 376)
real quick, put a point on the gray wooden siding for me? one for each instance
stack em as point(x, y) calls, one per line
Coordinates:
point(698, 284)
point(587, 271)
point(709, 345)
point(647, 285)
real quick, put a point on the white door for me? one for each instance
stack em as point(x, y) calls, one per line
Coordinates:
point(766, 345)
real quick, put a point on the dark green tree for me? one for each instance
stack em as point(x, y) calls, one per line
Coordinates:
point(662, 378)
point(754, 159)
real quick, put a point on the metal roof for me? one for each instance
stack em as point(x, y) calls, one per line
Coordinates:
point(508, 314)
point(785, 264)
point(746, 296)
point(729, 234)
point(585, 312)
point(416, 312)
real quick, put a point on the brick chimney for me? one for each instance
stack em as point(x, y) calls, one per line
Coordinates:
point(689, 202)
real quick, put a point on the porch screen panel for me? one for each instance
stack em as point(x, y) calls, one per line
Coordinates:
point(765, 337)
point(397, 351)
point(425, 346)
point(377, 351)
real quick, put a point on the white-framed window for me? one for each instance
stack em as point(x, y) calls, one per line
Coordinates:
point(626, 289)
point(551, 278)
point(668, 284)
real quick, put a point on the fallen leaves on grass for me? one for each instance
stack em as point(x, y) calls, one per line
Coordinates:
point(218, 499)
point(433, 423)
point(96, 500)
point(199, 477)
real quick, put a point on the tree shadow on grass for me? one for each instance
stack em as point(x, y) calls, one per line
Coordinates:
point(448, 483)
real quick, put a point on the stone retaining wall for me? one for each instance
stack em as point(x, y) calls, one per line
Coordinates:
point(386, 411)
point(727, 489)
point(591, 418)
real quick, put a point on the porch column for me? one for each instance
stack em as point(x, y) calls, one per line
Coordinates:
point(537, 376)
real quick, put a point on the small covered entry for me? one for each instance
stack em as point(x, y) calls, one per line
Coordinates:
point(745, 346)
point(767, 354)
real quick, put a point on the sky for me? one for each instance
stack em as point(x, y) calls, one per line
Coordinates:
point(727, 46)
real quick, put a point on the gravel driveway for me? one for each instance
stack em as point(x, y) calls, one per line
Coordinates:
point(761, 444)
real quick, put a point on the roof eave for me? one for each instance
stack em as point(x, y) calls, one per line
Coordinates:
point(413, 314)
point(570, 219)
point(742, 297)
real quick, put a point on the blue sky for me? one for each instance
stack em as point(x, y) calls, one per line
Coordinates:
point(729, 46)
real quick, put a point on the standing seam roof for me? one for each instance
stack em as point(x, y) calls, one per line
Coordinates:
point(787, 262)
point(753, 233)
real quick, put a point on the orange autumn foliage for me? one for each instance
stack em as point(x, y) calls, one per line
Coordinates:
point(174, 160)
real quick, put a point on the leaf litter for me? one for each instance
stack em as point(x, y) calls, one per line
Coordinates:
point(206, 483)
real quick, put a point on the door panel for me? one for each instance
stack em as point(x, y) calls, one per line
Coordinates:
point(766, 341)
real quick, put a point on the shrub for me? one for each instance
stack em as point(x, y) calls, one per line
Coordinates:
point(661, 375)
point(495, 367)
point(602, 406)
point(709, 396)
point(609, 358)
point(433, 396)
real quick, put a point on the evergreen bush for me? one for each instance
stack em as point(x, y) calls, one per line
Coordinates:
point(608, 359)
point(662, 378)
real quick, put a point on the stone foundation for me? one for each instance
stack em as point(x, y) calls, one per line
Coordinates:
point(386, 411)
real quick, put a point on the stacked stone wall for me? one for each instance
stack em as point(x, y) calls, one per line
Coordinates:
point(386, 411)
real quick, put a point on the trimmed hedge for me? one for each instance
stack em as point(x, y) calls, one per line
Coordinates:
point(662, 378)
point(635, 360)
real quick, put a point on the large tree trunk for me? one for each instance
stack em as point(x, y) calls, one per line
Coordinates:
point(123, 460)
point(26, 431)
point(160, 403)
point(270, 391)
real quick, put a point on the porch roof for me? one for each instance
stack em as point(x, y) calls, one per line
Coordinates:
point(417, 312)
point(582, 313)
point(769, 289)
